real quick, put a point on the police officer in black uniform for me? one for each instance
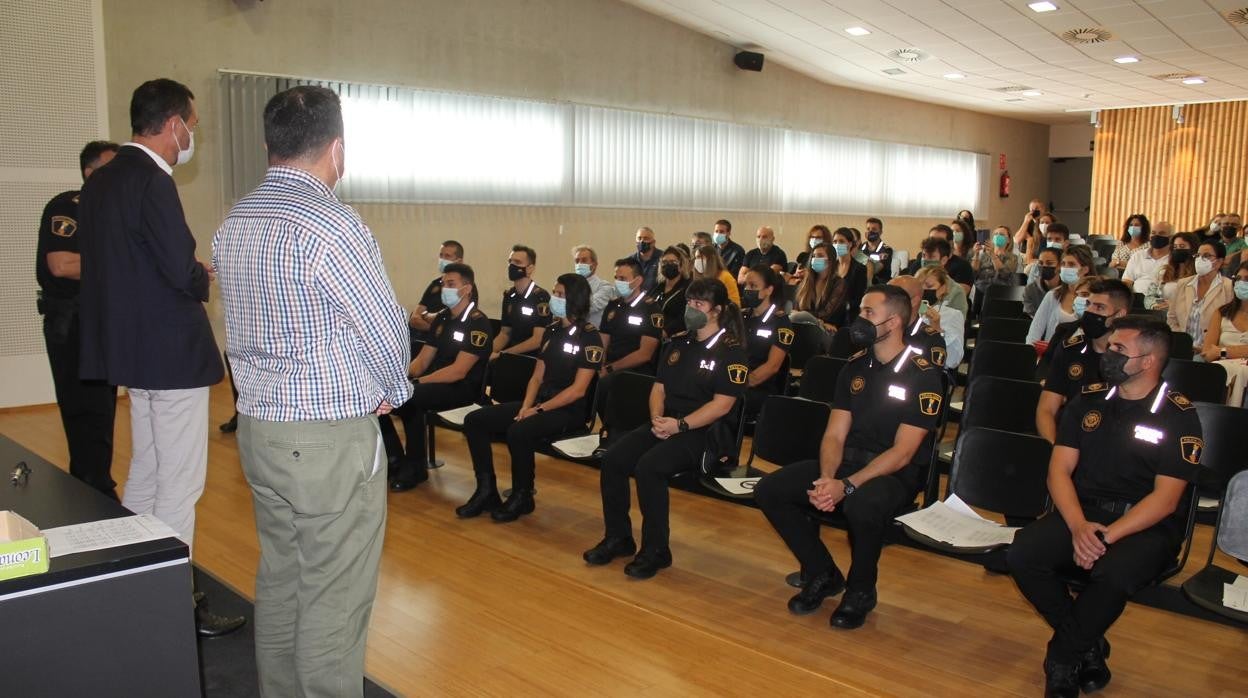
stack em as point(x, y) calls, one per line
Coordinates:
point(768, 335)
point(1076, 360)
point(919, 334)
point(87, 407)
point(526, 306)
point(1123, 460)
point(554, 403)
point(878, 251)
point(888, 403)
point(421, 319)
point(448, 372)
point(702, 374)
point(675, 273)
point(631, 329)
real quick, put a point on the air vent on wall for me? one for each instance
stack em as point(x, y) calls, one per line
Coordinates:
point(1239, 16)
point(894, 71)
point(1087, 35)
point(908, 55)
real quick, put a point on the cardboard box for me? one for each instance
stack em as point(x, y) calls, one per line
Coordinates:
point(23, 550)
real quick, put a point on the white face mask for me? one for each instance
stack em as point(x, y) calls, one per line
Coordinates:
point(1044, 228)
point(699, 265)
point(1203, 266)
point(184, 156)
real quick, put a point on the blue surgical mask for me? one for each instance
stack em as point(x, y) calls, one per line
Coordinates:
point(841, 249)
point(443, 264)
point(581, 269)
point(1135, 231)
point(1241, 290)
point(558, 306)
point(624, 288)
point(1080, 305)
point(450, 296)
point(1068, 275)
point(818, 264)
point(930, 263)
point(1054, 245)
point(999, 240)
point(719, 238)
point(957, 236)
point(814, 242)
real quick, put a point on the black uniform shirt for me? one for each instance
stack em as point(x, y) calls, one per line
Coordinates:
point(58, 232)
point(1075, 365)
point(929, 340)
point(693, 372)
point(773, 256)
point(762, 332)
point(881, 396)
point(1124, 444)
point(565, 350)
point(470, 332)
point(672, 306)
point(626, 323)
point(524, 311)
point(882, 255)
point(733, 256)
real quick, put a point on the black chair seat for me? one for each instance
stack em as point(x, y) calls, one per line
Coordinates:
point(1199, 381)
point(819, 378)
point(1205, 590)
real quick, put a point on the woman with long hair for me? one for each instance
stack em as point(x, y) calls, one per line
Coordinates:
point(702, 374)
point(675, 273)
point(940, 316)
point(1135, 232)
point(1182, 264)
point(768, 335)
point(554, 403)
point(964, 237)
point(1058, 305)
point(994, 264)
point(707, 264)
point(1226, 340)
point(855, 274)
point(821, 297)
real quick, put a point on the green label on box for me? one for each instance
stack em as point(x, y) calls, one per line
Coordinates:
point(22, 557)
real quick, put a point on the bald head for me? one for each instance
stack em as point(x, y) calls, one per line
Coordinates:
point(912, 286)
point(1163, 228)
point(766, 237)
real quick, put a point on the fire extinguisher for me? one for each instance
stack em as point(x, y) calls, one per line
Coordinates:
point(1005, 185)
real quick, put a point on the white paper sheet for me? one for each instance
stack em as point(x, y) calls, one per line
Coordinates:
point(456, 416)
point(1235, 597)
point(1241, 582)
point(109, 533)
point(578, 447)
point(948, 524)
point(1207, 503)
point(738, 485)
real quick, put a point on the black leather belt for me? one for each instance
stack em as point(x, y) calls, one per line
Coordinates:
point(1113, 506)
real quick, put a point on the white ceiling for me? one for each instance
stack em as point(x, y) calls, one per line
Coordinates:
point(995, 44)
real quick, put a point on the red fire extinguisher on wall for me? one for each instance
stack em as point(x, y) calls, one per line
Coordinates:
point(1005, 185)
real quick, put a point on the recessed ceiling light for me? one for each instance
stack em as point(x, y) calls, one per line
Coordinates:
point(1194, 81)
point(857, 31)
point(894, 71)
point(1032, 93)
point(1042, 7)
point(1126, 59)
point(1014, 99)
point(954, 76)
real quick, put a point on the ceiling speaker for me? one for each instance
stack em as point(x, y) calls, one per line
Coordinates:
point(748, 60)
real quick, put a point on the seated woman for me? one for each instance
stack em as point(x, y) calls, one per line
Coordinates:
point(1226, 340)
point(821, 297)
point(942, 317)
point(994, 264)
point(819, 233)
point(1046, 280)
point(554, 403)
point(1135, 233)
point(707, 264)
point(702, 374)
point(1058, 305)
point(668, 296)
point(1182, 264)
point(854, 273)
point(768, 336)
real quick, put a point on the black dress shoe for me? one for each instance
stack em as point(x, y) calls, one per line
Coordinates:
point(608, 549)
point(519, 503)
point(409, 475)
point(814, 591)
point(795, 579)
point(852, 612)
point(483, 500)
point(231, 426)
point(1061, 680)
point(1093, 671)
point(208, 624)
point(648, 563)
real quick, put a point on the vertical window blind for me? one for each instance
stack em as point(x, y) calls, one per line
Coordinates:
point(407, 145)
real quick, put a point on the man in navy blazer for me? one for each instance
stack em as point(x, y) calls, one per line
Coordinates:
point(143, 323)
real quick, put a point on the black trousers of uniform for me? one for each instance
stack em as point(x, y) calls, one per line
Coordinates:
point(426, 398)
point(652, 462)
point(868, 512)
point(1042, 557)
point(87, 407)
point(523, 437)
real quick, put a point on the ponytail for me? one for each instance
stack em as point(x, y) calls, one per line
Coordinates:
point(733, 322)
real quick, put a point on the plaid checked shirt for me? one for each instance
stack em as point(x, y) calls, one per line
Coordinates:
point(313, 330)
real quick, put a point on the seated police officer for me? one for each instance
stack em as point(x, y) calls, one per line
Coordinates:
point(888, 400)
point(526, 306)
point(1076, 360)
point(1124, 455)
point(631, 328)
point(702, 373)
point(430, 303)
point(554, 403)
point(448, 371)
point(768, 335)
point(921, 335)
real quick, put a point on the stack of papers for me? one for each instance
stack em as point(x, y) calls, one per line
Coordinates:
point(954, 523)
point(578, 447)
point(456, 416)
point(1235, 596)
point(738, 485)
point(109, 533)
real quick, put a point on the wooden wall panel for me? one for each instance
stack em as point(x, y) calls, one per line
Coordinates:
point(1146, 163)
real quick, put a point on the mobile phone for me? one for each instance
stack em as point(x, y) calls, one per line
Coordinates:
point(923, 307)
point(1035, 214)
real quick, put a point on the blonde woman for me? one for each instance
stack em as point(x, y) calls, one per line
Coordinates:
point(707, 264)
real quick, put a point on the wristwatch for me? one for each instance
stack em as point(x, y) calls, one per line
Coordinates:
point(850, 488)
point(1224, 354)
point(682, 425)
point(538, 408)
point(608, 368)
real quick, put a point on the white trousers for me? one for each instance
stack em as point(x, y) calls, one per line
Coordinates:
point(169, 456)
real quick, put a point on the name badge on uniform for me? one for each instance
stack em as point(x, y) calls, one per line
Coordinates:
point(763, 333)
point(703, 364)
point(526, 310)
point(1148, 434)
point(570, 348)
point(634, 320)
point(875, 258)
point(459, 336)
point(897, 392)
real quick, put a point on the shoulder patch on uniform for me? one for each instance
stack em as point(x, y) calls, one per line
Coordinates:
point(656, 319)
point(543, 310)
point(857, 384)
point(929, 403)
point(673, 357)
point(593, 354)
point(921, 362)
point(938, 356)
point(1074, 372)
point(64, 226)
point(737, 373)
point(478, 338)
point(589, 327)
point(1091, 420)
point(859, 355)
point(1180, 400)
point(1074, 340)
point(1191, 447)
point(1095, 388)
point(785, 335)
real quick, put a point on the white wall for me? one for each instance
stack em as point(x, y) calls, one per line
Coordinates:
point(1071, 140)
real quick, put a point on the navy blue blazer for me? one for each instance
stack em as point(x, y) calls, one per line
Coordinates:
point(142, 317)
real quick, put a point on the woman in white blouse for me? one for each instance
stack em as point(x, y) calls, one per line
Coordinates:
point(1135, 232)
point(1058, 305)
point(1226, 340)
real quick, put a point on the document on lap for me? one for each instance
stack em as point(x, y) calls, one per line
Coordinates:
point(954, 523)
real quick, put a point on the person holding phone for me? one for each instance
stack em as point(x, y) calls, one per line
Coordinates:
point(994, 264)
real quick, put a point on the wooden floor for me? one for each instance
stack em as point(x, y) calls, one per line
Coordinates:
point(476, 608)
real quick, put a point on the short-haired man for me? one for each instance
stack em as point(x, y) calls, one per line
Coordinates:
point(631, 329)
point(451, 252)
point(920, 334)
point(526, 306)
point(319, 347)
point(647, 257)
point(878, 251)
point(87, 407)
point(585, 264)
point(732, 253)
point(1075, 363)
point(937, 251)
point(766, 252)
point(1145, 262)
point(959, 269)
point(887, 404)
point(1124, 455)
point(700, 239)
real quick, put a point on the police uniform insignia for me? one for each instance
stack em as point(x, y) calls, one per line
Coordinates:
point(859, 355)
point(1073, 340)
point(1091, 420)
point(938, 356)
point(1180, 400)
point(922, 362)
point(1095, 388)
point(737, 373)
point(929, 403)
point(478, 338)
point(673, 357)
point(1075, 372)
point(610, 315)
point(476, 314)
point(75, 199)
point(64, 226)
point(656, 319)
point(543, 310)
point(785, 335)
point(1191, 446)
point(857, 384)
point(593, 354)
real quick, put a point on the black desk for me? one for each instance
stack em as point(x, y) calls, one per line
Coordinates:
point(114, 622)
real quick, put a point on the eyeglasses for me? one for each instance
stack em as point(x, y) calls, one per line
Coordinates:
point(1207, 257)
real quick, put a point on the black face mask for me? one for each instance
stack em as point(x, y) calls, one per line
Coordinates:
point(644, 247)
point(1228, 233)
point(1048, 273)
point(1159, 241)
point(864, 333)
point(669, 270)
point(1094, 326)
point(1114, 367)
point(1180, 256)
point(514, 273)
point(873, 236)
point(750, 299)
point(929, 295)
